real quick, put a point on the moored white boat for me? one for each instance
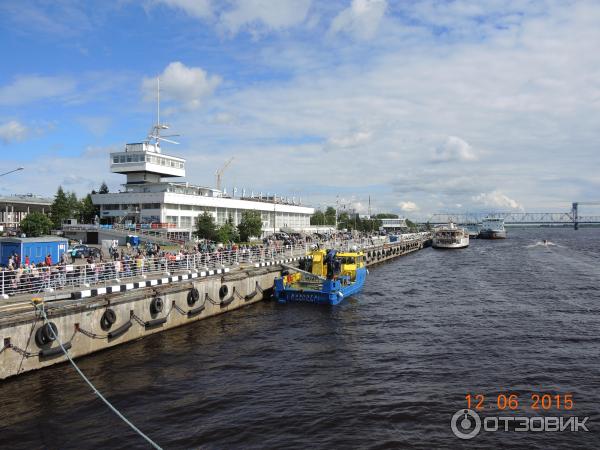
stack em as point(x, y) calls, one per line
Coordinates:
point(450, 236)
point(492, 228)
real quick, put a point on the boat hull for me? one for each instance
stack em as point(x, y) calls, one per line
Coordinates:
point(331, 293)
point(450, 246)
point(492, 234)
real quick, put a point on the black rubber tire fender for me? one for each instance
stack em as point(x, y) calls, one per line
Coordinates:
point(47, 332)
point(109, 317)
point(156, 305)
point(40, 340)
point(193, 296)
point(223, 291)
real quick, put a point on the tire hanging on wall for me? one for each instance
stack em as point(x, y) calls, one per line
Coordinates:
point(44, 334)
point(109, 317)
point(223, 291)
point(193, 296)
point(156, 305)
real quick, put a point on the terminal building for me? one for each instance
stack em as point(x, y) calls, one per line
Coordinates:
point(15, 208)
point(397, 225)
point(149, 199)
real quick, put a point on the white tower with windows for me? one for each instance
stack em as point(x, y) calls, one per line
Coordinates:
point(143, 162)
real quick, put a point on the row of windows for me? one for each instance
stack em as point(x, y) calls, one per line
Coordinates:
point(188, 207)
point(223, 215)
point(125, 206)
point(153, 159)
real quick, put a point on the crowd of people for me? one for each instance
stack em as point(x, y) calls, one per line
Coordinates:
point(124, 262)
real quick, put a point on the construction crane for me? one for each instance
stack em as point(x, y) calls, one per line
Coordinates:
point(219, 172)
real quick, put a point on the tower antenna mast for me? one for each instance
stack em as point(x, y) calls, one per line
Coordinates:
point(155, 132)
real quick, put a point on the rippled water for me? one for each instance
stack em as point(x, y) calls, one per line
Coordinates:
point(386, 369)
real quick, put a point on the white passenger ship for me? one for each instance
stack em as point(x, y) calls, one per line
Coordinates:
point(492, 228)
point(450, 236)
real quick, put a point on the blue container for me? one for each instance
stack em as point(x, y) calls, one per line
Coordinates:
point(35, 248)
point(133, 240)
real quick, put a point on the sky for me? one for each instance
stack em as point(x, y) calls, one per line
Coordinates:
point(424, 106)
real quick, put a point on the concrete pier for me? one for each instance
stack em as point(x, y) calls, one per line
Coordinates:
point(86, 325)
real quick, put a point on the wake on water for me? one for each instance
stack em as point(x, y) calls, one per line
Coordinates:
point(544, 244)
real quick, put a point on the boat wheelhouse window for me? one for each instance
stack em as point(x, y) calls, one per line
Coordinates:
point(115, 159)
point(347, 260)
point(122, 158)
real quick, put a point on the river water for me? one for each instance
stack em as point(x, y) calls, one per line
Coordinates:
point(386, 369)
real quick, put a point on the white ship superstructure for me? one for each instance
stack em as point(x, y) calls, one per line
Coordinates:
point(492, 228)
point(450, 236)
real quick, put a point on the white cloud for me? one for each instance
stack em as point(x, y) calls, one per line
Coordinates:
point(13, 131)
point(223, 118)
point(273, 15)
point(496, 199)
point(187, 85)
point(408, 206)
point(360, 19)
point(30, 88)
point(97, 125)
point(454, 149)
point(349, 141)
point(359, 207)
point(201, 9)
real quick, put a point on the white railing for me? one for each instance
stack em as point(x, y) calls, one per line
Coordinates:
point(65, 277)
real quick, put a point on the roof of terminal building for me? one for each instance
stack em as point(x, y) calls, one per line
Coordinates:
point(26, 199)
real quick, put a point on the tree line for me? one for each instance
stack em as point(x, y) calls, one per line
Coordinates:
point(250, 226)
point(65, 206)
point(348, 221)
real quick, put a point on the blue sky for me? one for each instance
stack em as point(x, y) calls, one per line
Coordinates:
point(424, 105)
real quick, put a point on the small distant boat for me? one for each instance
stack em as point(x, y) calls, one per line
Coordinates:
point(326, 278)
point(450, 236)
point(492, 228)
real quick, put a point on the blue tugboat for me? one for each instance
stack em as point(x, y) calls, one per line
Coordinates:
point(326, 278)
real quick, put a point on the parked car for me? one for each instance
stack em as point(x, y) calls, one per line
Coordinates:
point(84, 251)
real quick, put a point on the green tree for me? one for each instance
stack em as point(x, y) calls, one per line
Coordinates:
point(103, 188)
point(87, 210)
point(227, 233)
point(330, 215)
point(344, 222)
point(411, 225)
point(59, 210)
point(318, 218)
point(36, 224)
point(206, 227)
point(73, 203)
point(386, 216)
point(250, 225)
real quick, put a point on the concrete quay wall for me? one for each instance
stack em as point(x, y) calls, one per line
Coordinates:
point(81, 322)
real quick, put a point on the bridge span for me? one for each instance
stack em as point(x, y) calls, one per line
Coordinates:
point(523, 218)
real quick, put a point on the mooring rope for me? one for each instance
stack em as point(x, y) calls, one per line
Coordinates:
point(113, 409)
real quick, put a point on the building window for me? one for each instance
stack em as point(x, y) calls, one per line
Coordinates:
point(185, 222)
point(172, 219)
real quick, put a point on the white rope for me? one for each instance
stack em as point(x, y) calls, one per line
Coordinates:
point(115, 410)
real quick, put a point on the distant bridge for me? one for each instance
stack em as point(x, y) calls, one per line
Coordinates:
point(523, 218)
